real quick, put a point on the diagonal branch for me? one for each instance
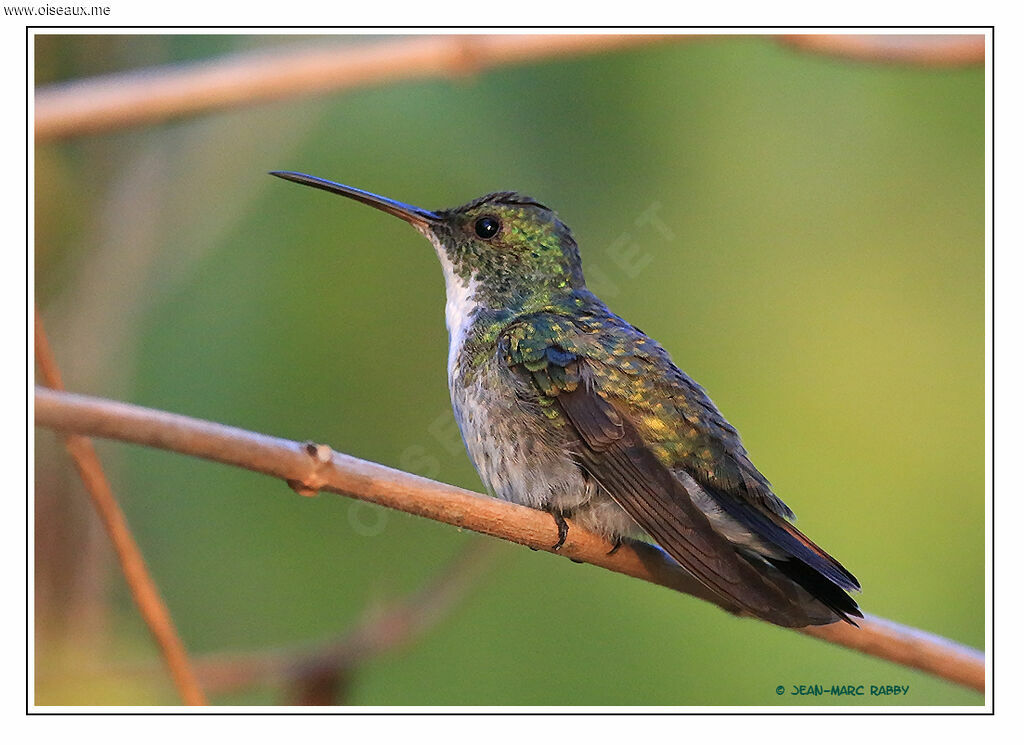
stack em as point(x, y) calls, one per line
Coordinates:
point(146, 96)
point(143, 588)
point(156, 94)
point(310, 468)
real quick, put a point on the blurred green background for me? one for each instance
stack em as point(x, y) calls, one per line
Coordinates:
point(817, 264)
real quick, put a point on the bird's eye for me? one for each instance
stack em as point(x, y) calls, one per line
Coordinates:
point(487, 227)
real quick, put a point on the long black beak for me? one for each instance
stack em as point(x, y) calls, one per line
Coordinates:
point(416, 216)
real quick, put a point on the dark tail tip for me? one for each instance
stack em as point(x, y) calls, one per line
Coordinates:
point(820, 587)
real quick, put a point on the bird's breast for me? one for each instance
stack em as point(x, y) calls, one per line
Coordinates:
point(460, 306)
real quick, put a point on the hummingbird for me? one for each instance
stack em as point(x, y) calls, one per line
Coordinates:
point(565, 407)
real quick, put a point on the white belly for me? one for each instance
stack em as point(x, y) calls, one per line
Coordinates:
point(517, 461)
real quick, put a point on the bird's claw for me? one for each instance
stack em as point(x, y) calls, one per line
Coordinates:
point(563, 530)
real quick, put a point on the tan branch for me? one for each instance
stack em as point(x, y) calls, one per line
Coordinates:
point(153, 95)
point(144, 590)
point(926, 50)
point(157, 94)
point(312, 467)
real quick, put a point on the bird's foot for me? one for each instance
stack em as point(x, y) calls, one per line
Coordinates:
point(563, 530)
point(616, 547)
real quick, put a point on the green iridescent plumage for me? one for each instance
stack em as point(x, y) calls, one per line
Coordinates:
point(672, 413)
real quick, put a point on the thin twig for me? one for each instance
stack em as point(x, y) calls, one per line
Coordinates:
point(924, 50)
point(143, 588)
point(378, 632)
point(311, 468)
point(157, 94)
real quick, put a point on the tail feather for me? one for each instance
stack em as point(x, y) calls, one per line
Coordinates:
point(804, 562)
point(821, 588)
point(780, 533)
